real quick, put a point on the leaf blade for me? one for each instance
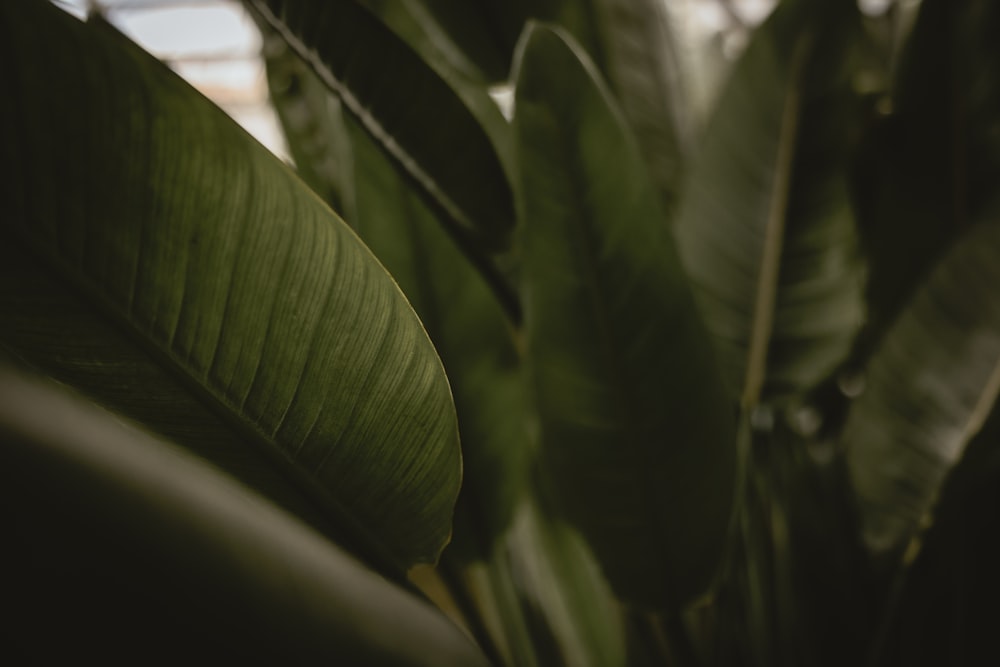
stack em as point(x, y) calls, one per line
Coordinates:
point(440, 145)
point(611, 330)
point(930, 387)
point(774, 261)
point(208, 294)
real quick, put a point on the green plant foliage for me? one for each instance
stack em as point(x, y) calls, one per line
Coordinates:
point(635, 425)
point(471, 334)
point(914, 420)
point(713, 351)
point(159, 259)
point(132, 550)
point(398, 99)
point(766, 229)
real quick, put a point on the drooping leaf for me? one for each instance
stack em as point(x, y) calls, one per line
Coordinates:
point(128, 549)
point(635, 424)
point(765, 229)
point(930, 387)
point(159, 259)
point(406, 107)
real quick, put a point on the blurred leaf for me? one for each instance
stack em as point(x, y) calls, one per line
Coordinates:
point(636, 429)
point(310, 116)
point(930, 386)
point(949, 594)
point(765, 228)
point(410, 20)
point(929, 167)
point(406, 107)
point(643, 70)
point(157, 258)
point(129, 549)
point(562, 590)
point(487, 32)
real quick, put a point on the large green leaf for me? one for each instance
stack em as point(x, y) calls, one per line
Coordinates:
point(636, 427)
point(765, 227)
point(129, 550)
point(465, 322)
point(471, 334)
point(406, 107)
point(930, 387)
point(159, 259)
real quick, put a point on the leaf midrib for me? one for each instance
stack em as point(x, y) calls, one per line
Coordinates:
point(766, 295)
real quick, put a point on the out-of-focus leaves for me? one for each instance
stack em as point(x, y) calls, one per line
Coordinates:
point(948, 598)
point(160, 260)
point(766, 229)
point(487, 32)
point(930, 386)
point(407, 108)
point(636, 428)
point(410, 20)
point(127, 549)
point(562, 590)
point(931, 165)
point(310, 116)
point(643, 71)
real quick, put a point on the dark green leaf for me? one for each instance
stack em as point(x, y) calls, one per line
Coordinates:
point(156, 257)
point(310, 117)
point(642, 70)
point(406, 107)
point(471, 334)
point(931, 166)
point(765, 228)
point(636, 427)
point(930, 387)
point(127, 549)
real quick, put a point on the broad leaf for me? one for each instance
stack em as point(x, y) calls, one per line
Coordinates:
point(930, 387)
point(765, 228)
point(636, 427)
point(465, 322)
point(471, 334)
point(406, 107)
point(159, 259)
point(128, 549)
